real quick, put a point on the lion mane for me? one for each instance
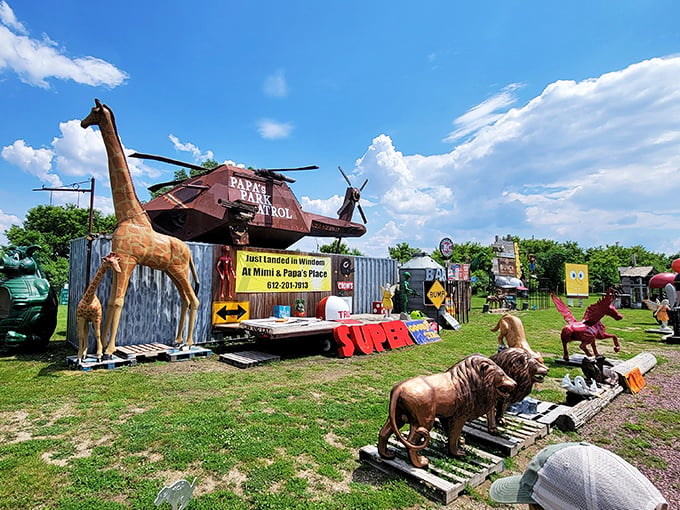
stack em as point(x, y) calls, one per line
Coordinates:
point(467, 390)
point(525, 370)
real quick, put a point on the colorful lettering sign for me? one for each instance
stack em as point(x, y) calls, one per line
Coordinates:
point(276, 272)
point(367, 338)
point(458, 272)
point(345, 285)
point(421, 332)
point(256, 193)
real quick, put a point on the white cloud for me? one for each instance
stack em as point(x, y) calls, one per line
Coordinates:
point(6, 221)
point(275, 85)
point(483, 114)
point(594, 161)
point(8, 18)
point(35, 61)
point(191, 148)
point(325, 207)
point(272, 130)
point(37, 162)
point(76, 155)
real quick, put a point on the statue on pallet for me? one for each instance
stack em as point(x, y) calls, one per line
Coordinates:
point(135, 241)
point(464, 392)
point(525, 370)
point(89, 309)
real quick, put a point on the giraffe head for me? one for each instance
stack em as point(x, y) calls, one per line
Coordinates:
point(96, 114)
point(112, 260)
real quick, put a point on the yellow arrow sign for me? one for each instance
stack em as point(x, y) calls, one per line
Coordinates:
point(230, 311)
point(436, 294)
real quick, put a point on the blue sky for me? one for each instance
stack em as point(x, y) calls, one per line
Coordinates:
point(470, 119)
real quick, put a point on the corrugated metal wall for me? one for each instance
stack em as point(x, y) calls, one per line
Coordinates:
point(369, 275)
point(152, 304)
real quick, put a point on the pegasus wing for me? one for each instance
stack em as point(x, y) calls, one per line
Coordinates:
point(563, 309)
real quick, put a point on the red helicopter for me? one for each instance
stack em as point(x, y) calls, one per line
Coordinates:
point(237, 206)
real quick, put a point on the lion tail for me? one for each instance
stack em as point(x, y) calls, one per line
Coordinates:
point(420, 435)
point(495, 328)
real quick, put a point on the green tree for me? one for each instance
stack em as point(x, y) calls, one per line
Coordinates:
point(181, 175)
point(603, 269)
point(341, 248)
point(52, 228)
point(402, 252)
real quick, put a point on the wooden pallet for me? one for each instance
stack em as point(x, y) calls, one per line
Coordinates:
point(517, 434)
point(547, 413)
point(248, 359)
point(91, 363)
point(148, 351)
point(446, 477)
point(177, 355)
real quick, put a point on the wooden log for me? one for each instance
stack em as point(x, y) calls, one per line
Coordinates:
point(578, 415)
point(645, 361)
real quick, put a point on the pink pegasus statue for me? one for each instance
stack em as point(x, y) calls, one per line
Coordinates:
point(590, 328)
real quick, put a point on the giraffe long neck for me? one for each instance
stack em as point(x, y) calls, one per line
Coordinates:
point(125, 201)
point(88, 296)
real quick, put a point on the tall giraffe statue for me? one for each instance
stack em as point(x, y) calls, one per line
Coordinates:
point(89, 308)
point(135, 241)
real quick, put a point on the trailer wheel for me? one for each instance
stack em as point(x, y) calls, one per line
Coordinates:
point(328, 346)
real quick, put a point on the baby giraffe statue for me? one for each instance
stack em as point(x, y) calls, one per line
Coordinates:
point(89, 308)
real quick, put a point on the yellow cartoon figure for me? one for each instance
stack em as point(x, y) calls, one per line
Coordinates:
point(576, 280)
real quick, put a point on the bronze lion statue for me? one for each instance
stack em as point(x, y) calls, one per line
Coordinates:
point(525, 370)
point(511, 329)
point(467, 390)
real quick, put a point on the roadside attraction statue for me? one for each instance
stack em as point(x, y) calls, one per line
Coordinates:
point(225, 268)
point(523, 368)
point(599, 369)
point(405, 291)
point(590, 328)
point(511, 329)
point(89, 309)
point(135, 241)
point(28, 305)
point(467, 390)
point(387, 294)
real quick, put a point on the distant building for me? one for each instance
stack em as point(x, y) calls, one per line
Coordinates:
point(635, 285)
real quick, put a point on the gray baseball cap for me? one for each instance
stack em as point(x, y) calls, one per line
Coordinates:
point(579, 476)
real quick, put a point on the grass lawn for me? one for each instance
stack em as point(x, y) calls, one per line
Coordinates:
point(279, 436)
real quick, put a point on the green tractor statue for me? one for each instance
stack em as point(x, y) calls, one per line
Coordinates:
point(28, 305)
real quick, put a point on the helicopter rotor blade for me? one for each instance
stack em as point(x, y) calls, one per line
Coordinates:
point(168, 160)
point(155, 187)
point(310, 167)
point(363, 185)
point(349, 183)
point(361, 211)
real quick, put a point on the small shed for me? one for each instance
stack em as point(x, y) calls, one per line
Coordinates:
point(424, 271)
point(634, 281)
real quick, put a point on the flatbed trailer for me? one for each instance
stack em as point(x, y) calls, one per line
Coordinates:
point(276, 329)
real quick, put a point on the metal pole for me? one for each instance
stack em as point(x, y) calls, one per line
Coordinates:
point(88, 263)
